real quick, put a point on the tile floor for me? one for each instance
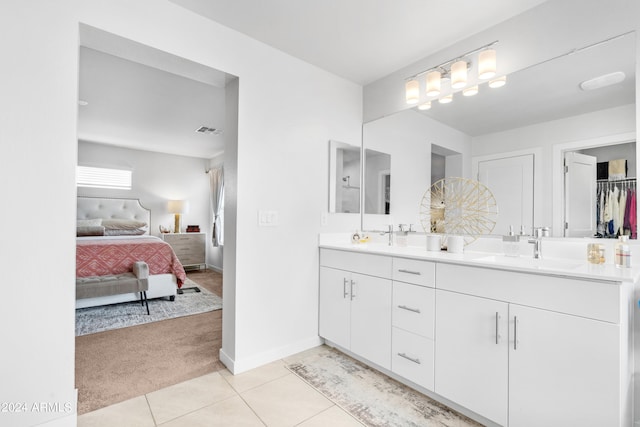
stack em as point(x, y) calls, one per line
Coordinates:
point(267, 396)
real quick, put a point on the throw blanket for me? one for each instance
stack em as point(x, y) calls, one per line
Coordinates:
point(104, 256)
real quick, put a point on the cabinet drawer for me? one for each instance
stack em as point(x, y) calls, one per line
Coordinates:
point(188, 251)
point(586, 298)
point(414, 308)
point(414, 271)
point(413, 357)
point(371, 265)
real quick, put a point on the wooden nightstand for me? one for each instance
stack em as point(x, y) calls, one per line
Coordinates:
point(189, 247)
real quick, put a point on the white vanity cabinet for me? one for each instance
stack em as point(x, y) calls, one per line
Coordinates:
point(471, 353)
point(355, 304)
point(531, 350)
point(413, 318)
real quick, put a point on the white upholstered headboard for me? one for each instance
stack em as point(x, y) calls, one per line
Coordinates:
point(105, 208)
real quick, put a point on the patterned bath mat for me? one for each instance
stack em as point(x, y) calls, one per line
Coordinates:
point(98, 319)
point(370, 396)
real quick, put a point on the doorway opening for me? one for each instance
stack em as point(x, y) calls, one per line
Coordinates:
point(600, 190)
point(141, 111)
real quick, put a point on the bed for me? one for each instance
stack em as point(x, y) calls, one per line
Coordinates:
point(114, 233)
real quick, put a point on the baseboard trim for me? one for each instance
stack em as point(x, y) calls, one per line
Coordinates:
point(70, 420)
point(226, 360)
point(239, 366)
point(213, 267)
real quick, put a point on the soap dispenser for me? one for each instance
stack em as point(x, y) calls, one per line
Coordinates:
point(511, 243)
point(623, 252)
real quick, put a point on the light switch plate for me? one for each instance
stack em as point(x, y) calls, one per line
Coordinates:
point(323, 219)
point(267, 218)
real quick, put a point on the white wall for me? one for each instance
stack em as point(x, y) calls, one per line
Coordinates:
point(408, 137)
point(281, 164)
point(156, 179)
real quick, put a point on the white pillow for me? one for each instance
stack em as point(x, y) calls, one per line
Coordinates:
point(96, 222)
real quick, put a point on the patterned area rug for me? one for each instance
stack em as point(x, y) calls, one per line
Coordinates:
point(98, 319)
point(370, 396)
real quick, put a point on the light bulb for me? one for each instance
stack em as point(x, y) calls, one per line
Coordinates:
point(470, 91)
point(412, 89)
point(425, 106)
point(499, 82)
point(458, 74)
point(433, 83)
point(446, 99)
point(487, 64)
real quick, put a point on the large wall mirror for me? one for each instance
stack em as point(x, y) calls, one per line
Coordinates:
point(541, 107)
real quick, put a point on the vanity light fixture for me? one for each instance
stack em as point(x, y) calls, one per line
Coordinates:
point(487, 64)
point(470, 91)
point(434, 79)
point(446, 99)
point(425, 106)
point(456, 70)
point(412, 88)
point(499, 82)
point(459, 74)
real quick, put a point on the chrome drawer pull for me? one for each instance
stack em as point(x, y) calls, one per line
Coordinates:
point(344, 288)
point(404, 307)
point(409, 272)
point(416, 360)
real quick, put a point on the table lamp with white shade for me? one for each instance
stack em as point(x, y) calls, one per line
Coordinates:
point(178, 207)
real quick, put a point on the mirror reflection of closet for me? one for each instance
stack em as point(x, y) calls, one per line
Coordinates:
point(344, 177)
point(610, 172)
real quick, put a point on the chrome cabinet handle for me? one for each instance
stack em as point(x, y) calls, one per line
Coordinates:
point(515, 332)
point(416, 360)
point(344, 288)
point(353, 294)
point(401, 270)
point(404, 307)
point(497, 328)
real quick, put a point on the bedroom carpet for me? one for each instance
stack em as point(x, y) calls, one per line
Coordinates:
point(108, 317)
point(370, 396)
point(120, 364)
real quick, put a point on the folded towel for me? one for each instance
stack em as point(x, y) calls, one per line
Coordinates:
point(617, 169)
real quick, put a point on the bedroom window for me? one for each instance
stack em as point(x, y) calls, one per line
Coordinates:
point(118, 179)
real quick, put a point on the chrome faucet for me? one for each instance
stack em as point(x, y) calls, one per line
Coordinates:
point(390, 233)
point(538, 234)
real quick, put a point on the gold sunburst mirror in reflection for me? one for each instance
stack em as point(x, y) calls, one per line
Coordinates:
point(458, 206)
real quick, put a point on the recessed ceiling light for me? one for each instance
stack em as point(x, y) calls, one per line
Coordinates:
point(602, 81)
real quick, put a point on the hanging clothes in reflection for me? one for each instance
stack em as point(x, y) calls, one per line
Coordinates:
point(616, 208)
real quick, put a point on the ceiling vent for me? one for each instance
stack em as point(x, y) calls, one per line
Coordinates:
point(208, 130)
point(602, 81)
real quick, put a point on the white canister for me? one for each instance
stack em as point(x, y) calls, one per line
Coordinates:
point(455, 244)
point(434, 242)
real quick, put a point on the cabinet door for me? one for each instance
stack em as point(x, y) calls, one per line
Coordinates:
point(371, 319)
point(563, 370)
point(471, 364)
point(334, 307)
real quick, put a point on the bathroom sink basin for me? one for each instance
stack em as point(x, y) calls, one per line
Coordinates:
point(526, 262)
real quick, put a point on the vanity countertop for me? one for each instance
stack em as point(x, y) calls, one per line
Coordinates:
point(571, 268)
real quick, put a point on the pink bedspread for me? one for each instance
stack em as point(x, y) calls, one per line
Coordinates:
point(103, 256)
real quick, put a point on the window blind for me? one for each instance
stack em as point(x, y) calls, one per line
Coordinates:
point(87, 176)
